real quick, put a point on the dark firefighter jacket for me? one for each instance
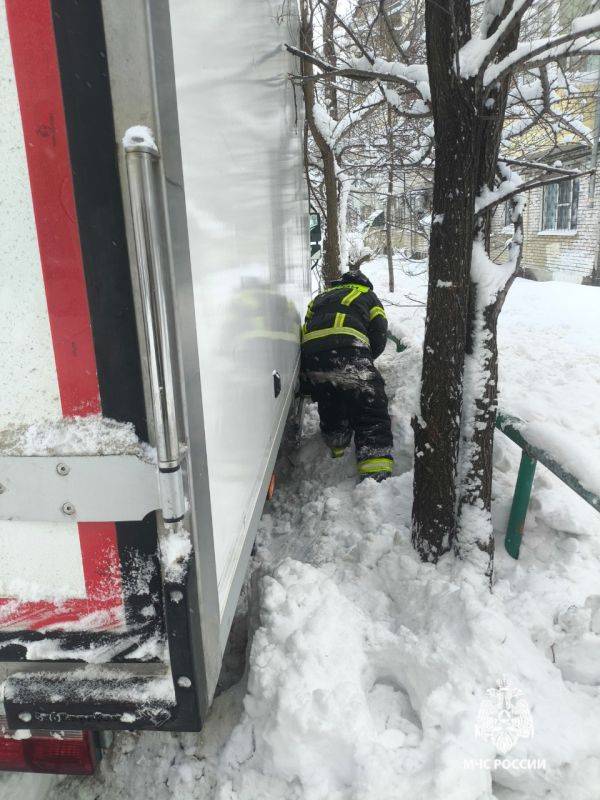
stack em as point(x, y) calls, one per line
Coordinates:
point(349, 314)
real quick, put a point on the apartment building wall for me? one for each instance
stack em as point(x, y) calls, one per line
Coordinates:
point(565, 255)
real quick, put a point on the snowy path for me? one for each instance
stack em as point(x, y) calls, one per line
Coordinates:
point(369, 668)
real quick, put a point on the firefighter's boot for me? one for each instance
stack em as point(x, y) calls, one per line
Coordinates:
point(379, 468)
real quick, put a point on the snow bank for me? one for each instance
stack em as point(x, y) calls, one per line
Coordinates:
point(369, 672)
point(564, 450)
point(554, 389)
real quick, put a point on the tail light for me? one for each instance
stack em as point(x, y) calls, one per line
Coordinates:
point(67, 754)
point(271, 487)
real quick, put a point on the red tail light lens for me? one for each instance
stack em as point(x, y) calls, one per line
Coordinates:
point(12, 755)
point(68, 756)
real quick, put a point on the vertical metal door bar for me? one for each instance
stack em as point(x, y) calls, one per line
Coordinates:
point(143, 159)
point(144, 192)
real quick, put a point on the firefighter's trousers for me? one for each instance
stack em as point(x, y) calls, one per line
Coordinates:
point(351, 398)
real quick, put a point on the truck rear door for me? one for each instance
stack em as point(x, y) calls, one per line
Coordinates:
point(77, 584)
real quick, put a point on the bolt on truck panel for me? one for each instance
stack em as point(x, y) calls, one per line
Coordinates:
point(150, 310)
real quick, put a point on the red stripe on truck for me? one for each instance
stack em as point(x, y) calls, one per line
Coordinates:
point(38, 83)
point(49, 163)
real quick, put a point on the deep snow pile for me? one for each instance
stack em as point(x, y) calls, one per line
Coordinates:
point(369, 669)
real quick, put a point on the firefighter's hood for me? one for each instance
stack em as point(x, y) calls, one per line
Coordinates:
point(353, 277)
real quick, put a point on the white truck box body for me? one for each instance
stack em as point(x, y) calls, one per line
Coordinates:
point(246, 220)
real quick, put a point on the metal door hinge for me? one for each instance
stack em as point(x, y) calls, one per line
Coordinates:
point(87, 489)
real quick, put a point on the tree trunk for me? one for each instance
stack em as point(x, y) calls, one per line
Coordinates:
point(330, 56)
point(437, 428)
point(332, 266)
point(390, 201)
point(475, 540)
point(331, 244)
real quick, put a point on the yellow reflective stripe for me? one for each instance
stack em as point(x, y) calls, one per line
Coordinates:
point(352, 295)
point(339, 320)
point(376, 311)
point(375, 465)
point(308, 337)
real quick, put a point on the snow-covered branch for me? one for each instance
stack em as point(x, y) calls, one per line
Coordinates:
point(476, 56)
point(333, 131)
point(413, 76)
point(478, 52)
point(510, 185)
point(537, 52)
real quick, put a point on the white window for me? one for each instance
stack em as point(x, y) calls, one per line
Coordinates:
point(559, 207)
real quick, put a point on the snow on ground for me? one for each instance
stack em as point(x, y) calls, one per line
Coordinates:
point(368, 669)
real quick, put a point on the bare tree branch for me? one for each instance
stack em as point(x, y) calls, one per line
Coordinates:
point(517, 162)
point(526, 187)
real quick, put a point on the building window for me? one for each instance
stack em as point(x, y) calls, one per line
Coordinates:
point(507, 215)
point(559, 208)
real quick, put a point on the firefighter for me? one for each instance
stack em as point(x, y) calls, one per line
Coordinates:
point(344, 331)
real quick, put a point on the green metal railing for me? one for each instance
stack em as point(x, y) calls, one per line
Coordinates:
point(400, 346)
point(512, 427)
